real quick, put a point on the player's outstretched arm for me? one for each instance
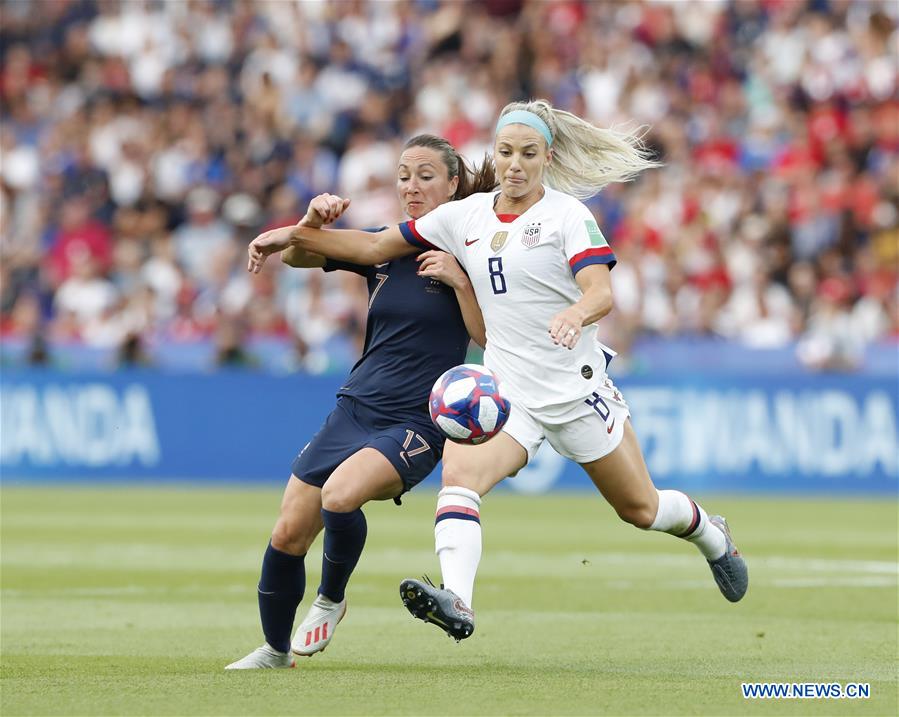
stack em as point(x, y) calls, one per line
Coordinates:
point(321, 210)
point(278, 240)
point(300, 259)
point(444, 267)
point(596, 284)
point(265, 244)
point(358, 247)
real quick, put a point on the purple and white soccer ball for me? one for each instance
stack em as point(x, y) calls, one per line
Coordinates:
point(467, 404)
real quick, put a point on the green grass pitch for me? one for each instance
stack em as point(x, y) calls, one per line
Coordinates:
point(121, 601)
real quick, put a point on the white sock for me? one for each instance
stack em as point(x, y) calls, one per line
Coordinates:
point(457, 539)
point(681, 516)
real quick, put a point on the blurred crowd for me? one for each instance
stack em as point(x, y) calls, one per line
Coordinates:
point(145, 143)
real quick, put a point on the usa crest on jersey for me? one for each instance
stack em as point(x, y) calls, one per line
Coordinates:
point(530, 236)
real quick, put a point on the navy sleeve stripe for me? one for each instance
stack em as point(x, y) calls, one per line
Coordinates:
point(411, 235)
point(610, 260)
point(603, 255)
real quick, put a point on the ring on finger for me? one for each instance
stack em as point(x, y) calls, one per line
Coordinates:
point(572, 332)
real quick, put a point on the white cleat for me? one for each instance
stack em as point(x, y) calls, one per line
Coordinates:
point(265, 657)
point(317, 628)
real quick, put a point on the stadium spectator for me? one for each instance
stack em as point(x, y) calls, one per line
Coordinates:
point(84, 296)
point(230, 349)
point(203, 235)
point(79, 237)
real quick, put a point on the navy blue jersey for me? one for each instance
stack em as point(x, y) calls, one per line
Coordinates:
point(414, 333)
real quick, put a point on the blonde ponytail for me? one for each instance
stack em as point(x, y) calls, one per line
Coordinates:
point(586, 158)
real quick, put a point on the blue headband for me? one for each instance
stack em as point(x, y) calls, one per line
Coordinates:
point(527, 118)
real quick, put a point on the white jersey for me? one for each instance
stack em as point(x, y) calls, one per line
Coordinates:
point(522, 271)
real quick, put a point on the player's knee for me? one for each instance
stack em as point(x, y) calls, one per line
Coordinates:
point(292, 537)
point(456, 474)
point(640, 515)
point(340, 498)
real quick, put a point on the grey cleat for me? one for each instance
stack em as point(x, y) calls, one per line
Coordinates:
point(730, 571)
point(438, 606)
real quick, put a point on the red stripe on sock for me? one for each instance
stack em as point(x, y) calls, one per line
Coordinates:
point(457, 509)
point(694, 524)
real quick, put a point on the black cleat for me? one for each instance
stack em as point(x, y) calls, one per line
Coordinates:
point(438, 606)
point(730, 571)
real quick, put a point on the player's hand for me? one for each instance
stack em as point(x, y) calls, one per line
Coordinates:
point(269, 242)
point(324, 209)
point(566, 327)
point(443, 267)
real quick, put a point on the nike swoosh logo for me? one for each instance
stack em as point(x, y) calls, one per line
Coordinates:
point(610, 428)
point(378, 266)
point(469, 242)
point(433, 618)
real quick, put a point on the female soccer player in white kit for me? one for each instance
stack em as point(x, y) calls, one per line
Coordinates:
point(540, 268)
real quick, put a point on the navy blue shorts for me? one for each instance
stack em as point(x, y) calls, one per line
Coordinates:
point(413, 447)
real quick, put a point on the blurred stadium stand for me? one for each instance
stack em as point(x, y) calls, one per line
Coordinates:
point(145, 143)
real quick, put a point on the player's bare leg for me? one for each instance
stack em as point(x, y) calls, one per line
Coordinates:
point(364, 476)
point(469, 472)
point(624, 481)
point(283, 579)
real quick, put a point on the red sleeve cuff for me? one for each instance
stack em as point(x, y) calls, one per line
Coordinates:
point(411, 235)
point(599, 255)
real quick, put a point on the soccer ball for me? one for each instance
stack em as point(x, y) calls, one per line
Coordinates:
point(467, 405)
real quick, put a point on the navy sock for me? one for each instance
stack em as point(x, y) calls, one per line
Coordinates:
point(344, 539)
point(281, 588)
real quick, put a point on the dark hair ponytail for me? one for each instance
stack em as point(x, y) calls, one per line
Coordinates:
point(481, 179)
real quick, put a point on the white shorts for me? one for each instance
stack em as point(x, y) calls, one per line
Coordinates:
point(583, 430)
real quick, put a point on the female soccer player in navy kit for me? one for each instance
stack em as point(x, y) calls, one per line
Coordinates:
point(379, 441)
point(540, 268)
